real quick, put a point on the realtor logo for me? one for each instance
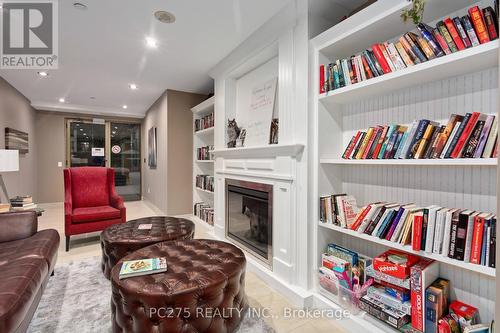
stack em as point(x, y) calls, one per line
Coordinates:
point(29, 35)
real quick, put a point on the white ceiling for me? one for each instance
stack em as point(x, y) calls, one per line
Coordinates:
point(102, 50)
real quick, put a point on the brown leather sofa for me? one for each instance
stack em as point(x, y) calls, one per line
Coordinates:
point(27, 259)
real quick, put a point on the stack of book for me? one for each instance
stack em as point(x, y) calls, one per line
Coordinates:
point(464, 235)
point(22, 203)
point(204, 212)
point(448, 36)
point(204, 123)
point(338, 209)
point(205, 182)
point(204, 153)
point(471, 136)
point(142, 267)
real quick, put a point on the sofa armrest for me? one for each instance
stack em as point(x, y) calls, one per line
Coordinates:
point(18, 225)
point(68, 200)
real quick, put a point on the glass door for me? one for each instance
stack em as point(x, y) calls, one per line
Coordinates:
point(125, 158)
point(86, 144)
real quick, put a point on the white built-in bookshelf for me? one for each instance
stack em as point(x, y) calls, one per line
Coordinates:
point(202, 138)
point(462, 82)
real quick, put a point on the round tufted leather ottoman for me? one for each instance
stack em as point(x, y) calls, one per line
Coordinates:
point(121, 239)
point(201, 291)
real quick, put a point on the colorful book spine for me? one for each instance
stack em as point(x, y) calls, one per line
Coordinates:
point(369, 145)
point(490, 21)
point(419, 133)
point(377, 51)
point(470, 30)
point(458, 134)
point(465, 135)
point(470, 146)
point(404, 55)
point(490, 142)
point(454, 34)
point(479, 24)
point(380, 142)
point(461, 32)
point(484, 136)
point(442, 42)
point(322, 79)
point(477, 240)
point(417, 231)
point(414, 46)
point(368, 59)
point(392, 129)
point(426, 33)
point(409, 50)
point(447, 37)
point(352, 144)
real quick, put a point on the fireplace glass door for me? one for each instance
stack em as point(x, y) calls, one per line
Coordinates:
point(249, 217)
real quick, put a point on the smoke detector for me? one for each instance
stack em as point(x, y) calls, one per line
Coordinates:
point(164, 17)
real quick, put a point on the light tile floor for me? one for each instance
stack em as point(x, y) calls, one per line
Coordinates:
point(260, 295)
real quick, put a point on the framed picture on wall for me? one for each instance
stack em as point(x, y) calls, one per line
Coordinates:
point(16, 140)
point(152, 148)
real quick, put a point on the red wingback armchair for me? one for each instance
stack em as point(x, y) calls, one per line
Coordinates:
point(91, 202)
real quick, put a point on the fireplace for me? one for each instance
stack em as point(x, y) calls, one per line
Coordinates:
point(249, 217)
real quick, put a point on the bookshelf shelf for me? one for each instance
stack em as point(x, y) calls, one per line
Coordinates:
point(204, 161)
point(206, 131)
point(204, 107)
point(463, 62)
point(204, 191)
point(423, 162)
point(407, 248)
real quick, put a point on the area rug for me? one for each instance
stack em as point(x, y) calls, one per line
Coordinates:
point(77, 299)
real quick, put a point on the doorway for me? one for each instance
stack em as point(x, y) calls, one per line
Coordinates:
point(113, 144)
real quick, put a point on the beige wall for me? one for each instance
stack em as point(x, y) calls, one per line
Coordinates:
point(154, 181)
point(169, 186)
point(180, 151)
point(16, 112)
point(50, 137)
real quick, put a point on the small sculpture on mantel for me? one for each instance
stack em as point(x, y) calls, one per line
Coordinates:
point(240, 142)
point(233, 133)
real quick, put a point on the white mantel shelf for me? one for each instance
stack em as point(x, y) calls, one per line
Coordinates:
point(260, 152)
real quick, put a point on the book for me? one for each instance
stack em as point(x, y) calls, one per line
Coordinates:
point(479, 24)
point(388, 137)
point(375, 62)
point(392, 143)
point(145, 226)
point(397, 60)
point(426, 32)
point(469, 235)
point(358, 145)
point(461, 31)
point(322, 89)
point(492, 242)
point(371, 64)
point(491, 22)
point(142, 267)
point(416, 241)
point(419, 133)
point(449, 142)
point(454, 33)
point(404, 55)
point(431, 228)
point(370, 215)
point(422, 275)
point(409, 50)
point(350, 210)
point(470, 30)
point(377, 131)
point(387, 57)
point(366, 139)
point(490, 142)
point(377, 51)
point(477, 239)
point(433, 142)
point(368, 70)
point(441, 41)
point(399, 138)
point(411, 38)
point(361, 216)
point(396, 228)
point(436, 303)
point(467, 130)
point(461, 234)
point(388, 215)
point(443, 137)
point(351, 146)
point(408, 139)
point(484, 251)
point(451, 215)
point(439, 230)
point(380, 142)
point(447, 37)
point(457, 136)
point(473, 141)
point(376, 220)
point(425, 47)
point(422, 147)
point(484, 136)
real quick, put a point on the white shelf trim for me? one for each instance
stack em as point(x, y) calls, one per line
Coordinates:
point(418, 162)
point(205, 131)
point(204, 107)
point(291, 150)
point(466, 61)
point(407, 248)
point(202, 190)
point(205, 161)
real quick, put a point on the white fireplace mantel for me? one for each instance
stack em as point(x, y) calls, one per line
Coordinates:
point(291, 150)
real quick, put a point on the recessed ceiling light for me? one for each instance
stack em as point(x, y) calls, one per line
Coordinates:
point(151, 42)
point(92, 97)
point(114, 132)
point(133, 86)
point(62, 100)
point(81, 129)
point(124, 107)
point(164, 16)
point(43, 74)
point(79, 5)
